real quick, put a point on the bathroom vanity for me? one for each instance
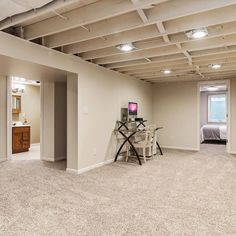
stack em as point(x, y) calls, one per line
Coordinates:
point(20, 138)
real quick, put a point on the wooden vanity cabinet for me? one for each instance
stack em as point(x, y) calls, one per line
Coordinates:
point(20, 139)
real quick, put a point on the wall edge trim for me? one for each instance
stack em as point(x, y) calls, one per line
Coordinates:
point(89, 168)
point(3, 159)
point(232, 152)
point(181, 148)
point(47, 159)
point(60, 158)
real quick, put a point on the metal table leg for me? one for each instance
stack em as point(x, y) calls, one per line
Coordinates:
point(159, 147)
point(127, 139)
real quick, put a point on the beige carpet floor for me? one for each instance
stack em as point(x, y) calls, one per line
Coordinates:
point(182, 193)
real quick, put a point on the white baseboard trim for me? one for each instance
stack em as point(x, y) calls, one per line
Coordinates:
point(2, 159)
point(83, 170)
point(232, 152)
point(53, 159)
point(35, 144)
point(60, 158)
point(181, 148)
point(48, 159)
point(71, 171)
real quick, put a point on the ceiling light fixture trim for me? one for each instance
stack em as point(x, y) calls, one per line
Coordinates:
point(215, 66)
point(167, 71)
point(212, 88)
point(197, 33)
point(126, 47)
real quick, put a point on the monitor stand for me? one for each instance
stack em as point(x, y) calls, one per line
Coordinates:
point(132, 117)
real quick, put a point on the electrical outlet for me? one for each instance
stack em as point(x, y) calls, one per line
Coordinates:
point(94, 152)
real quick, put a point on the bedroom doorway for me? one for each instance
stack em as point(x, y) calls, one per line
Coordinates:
point(214, 114)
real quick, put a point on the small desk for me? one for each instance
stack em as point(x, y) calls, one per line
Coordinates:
point(128, 134)
point(124, 124)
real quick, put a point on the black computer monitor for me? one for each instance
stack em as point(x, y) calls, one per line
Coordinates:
point(133, 108)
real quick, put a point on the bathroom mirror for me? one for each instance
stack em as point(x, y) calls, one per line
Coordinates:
point(16, 104)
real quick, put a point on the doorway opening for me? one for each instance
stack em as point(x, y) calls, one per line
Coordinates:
point(214, 115)
point(25, 119)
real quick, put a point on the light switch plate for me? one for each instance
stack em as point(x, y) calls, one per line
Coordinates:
point(85, 110)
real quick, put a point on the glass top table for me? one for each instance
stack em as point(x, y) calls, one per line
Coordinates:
point(124, 124)
point(129, 133)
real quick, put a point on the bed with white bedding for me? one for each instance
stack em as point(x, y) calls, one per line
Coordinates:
point(213, 132)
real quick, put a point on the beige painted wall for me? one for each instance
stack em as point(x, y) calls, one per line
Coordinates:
point(72, 122)
point(103, 93)
point(3, 118)
point(30, 106)
point(47, 120)
point(175, 108)
point(53, 122)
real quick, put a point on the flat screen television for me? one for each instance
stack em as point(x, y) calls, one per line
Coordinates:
point(133, 108)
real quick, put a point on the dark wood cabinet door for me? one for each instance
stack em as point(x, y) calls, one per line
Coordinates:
point(20, 139)
point(26, 136)
point(25, 145)
point(17, 142)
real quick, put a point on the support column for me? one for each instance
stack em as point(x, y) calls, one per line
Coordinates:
point(3, 118)
point(47, 138)
point(60, 120)
point(72, 122)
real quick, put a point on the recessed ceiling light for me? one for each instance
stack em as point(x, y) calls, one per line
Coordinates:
point(212, 88)
point(215, 66)
point(127, 47)
point(167, 71)
point(197, 33)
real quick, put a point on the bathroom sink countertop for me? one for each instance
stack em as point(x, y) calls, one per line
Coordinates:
point(21, 125)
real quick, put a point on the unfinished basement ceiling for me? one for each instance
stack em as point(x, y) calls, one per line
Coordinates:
point(13, 7)
point(159, 31)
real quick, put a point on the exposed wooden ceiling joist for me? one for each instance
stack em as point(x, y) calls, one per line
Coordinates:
point(227, 26)
point(171, 49)
point(157, 29)
point(98, 11)
point(155, 69)
point(132, 20)
point(17, 19)
point(203, 69)
point(159, 59)
point(158, 42)
point(151, 65)
point(225, 55)
point(167, 50)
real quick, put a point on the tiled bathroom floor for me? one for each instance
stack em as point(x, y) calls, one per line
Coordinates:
point(33, 154)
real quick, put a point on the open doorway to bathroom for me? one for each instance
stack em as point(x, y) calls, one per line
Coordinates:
point(25, 117)
point(214, 113)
